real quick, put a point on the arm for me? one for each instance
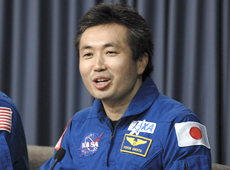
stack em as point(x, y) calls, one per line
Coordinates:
point(12, 139)
point(63, 142)
point(187, 146)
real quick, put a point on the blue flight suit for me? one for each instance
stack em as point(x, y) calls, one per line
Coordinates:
point(13, 146)
point(155, 132)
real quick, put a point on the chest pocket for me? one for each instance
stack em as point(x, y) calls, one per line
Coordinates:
point(78, 161)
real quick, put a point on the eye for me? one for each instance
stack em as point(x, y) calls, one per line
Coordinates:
point(111, 52)
point(87, 55)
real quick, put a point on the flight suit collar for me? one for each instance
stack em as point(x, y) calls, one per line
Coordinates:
point(144, 98)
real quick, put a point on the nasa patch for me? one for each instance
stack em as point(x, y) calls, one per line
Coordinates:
point(90, 144)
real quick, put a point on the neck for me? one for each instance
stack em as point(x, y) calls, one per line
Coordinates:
point(114, 113)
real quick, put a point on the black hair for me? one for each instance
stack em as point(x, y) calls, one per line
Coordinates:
point(138, 35)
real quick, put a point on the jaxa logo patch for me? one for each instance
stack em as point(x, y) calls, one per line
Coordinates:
point(90, 144)
point(141, 126)
point(137, 145)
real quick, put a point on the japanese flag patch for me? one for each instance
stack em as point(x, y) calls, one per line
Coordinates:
point(191, 133)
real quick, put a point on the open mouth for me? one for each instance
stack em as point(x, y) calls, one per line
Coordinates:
point(101, 81)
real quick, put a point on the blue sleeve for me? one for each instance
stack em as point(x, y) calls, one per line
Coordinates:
point(13, 144)
point(64, 142)
point(196, 162)
point(190, 157)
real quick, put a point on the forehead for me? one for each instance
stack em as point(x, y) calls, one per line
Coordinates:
point(106, 33)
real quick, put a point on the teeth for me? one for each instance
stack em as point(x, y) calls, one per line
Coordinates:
point(101, 80)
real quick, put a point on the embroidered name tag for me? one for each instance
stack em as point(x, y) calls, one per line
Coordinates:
point(141, 126)
point(137, 145)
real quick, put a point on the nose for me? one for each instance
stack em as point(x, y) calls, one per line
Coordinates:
point(99, 64)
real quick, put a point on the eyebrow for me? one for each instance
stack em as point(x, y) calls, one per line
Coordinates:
point(111, 44)
point(85, 47)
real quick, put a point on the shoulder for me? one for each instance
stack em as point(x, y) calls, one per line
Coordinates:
point(6, 102)
point(170, 110)
point(82, 115)
point(79, 118)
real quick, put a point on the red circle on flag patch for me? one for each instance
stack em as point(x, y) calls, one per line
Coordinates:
point(195, 133)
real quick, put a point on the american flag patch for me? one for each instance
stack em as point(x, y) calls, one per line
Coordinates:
point(5, 119)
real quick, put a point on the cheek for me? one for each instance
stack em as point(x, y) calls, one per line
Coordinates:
point(83, 69)
point(128, 69)
point(126, 75)
point(85, 76)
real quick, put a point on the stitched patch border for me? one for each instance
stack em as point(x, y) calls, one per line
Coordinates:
point(137, 145)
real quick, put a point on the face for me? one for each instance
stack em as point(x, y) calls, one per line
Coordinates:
point(106, 65)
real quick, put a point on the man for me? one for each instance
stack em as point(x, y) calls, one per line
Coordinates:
point(130, 125)
point(13, 146)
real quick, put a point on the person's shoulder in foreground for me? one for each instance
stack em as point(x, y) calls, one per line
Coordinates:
point(13, 146)
point(130, 125)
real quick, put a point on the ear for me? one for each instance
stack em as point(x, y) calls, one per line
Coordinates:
point(142, 63)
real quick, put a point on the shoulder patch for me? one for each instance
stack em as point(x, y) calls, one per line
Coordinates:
point(5, 119)
point(58, 145)
point(191, 133)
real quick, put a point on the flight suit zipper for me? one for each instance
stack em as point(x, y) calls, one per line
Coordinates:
point(111, 128)
point(185, 166)
point(111, 138)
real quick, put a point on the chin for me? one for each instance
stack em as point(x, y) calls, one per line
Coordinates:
point(101, 95)
point(102, 98)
